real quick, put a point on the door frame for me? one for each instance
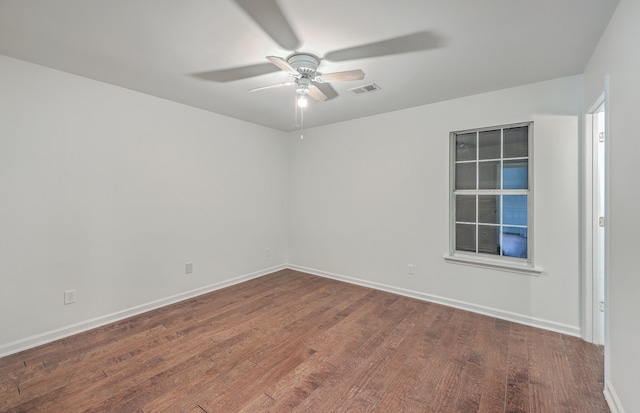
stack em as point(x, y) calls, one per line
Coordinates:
point(591, 328)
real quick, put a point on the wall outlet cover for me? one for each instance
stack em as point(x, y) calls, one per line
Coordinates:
point(69, 297)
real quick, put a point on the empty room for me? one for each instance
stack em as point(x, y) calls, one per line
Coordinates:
point(285, 205)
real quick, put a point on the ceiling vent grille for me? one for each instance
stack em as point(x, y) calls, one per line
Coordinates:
point(360, 90)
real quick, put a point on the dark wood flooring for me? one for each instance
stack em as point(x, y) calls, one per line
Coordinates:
point(295, 342)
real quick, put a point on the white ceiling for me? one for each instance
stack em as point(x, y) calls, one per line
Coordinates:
point(166, 48)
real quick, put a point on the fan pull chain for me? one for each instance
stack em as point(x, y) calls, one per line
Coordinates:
point(301, 123)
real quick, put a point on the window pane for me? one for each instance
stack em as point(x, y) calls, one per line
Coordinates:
point(516, 174)
point(466, 175)
point(489, 142)
point(466, 147)
point(516, 142)
point(489, 209)
point(514, 242)
point(489, 175)
point(466, 237)
point(514, 210)
point(466, 208)
point(488, 237)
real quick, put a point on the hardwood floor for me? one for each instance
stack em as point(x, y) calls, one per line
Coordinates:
point(295, 342)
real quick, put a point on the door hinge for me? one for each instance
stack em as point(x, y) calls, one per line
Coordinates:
point(601, 137)
point(601, 222)
point(601, 306)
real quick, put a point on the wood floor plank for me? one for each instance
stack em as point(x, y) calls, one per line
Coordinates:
point(446, 391)
point(253, 345)
point(517, 387)
point(490, 405)
point(374, 370)
point(359, 406)
point(470, 392)
point(232, 398)
point(290, 392)
point(566, 393)
point(518, 370)
point(542, 399)
point(495, 383)
point(396, 396)
point(433, 369)
point(585, 378)
point(481, 344)
point(291, 341)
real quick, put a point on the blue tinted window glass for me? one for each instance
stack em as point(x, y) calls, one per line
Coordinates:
point(516, 174)
point(514, 242)
point(514, 210)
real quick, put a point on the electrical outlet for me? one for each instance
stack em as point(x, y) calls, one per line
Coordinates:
point(411, 269)
point(69, 297)
point(188, 268)
point(267, 253)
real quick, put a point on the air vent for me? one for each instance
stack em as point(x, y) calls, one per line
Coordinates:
point(371, 87)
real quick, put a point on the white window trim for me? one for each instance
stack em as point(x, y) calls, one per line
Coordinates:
point(496, 264)
point(517, 265)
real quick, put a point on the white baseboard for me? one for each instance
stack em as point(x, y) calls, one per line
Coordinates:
point(475, 308)
point(66, 331)
point(49, 336)
point(612, 399)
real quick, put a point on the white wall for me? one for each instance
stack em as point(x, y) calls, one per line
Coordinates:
point(618, 57)
point(110, 192)
point(370, 196)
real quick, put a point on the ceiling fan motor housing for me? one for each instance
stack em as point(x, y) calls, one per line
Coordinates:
point(305, 63)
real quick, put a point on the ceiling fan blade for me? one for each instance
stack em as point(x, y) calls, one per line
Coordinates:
point(270, 18)
point(403, 44)
point(255, 89)
point(283, 65)
point(327, 89)
point(237, 73)
point(316, 94)
point(340, 76)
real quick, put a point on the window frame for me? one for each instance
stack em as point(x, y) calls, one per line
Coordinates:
point(500, 262)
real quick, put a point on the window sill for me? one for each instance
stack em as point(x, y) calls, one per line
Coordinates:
point(494, 264)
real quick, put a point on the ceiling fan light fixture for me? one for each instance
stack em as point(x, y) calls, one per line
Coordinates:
point(303, 84)
point(302, 100)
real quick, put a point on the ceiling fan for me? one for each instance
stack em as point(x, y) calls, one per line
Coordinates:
point(304, 66)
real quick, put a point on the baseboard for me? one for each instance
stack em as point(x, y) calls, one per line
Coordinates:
point(493, 312)
point(49, 336)
point(612, 399)
point(66, 331)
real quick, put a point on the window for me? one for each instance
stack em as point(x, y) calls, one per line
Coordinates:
point(491, 195)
